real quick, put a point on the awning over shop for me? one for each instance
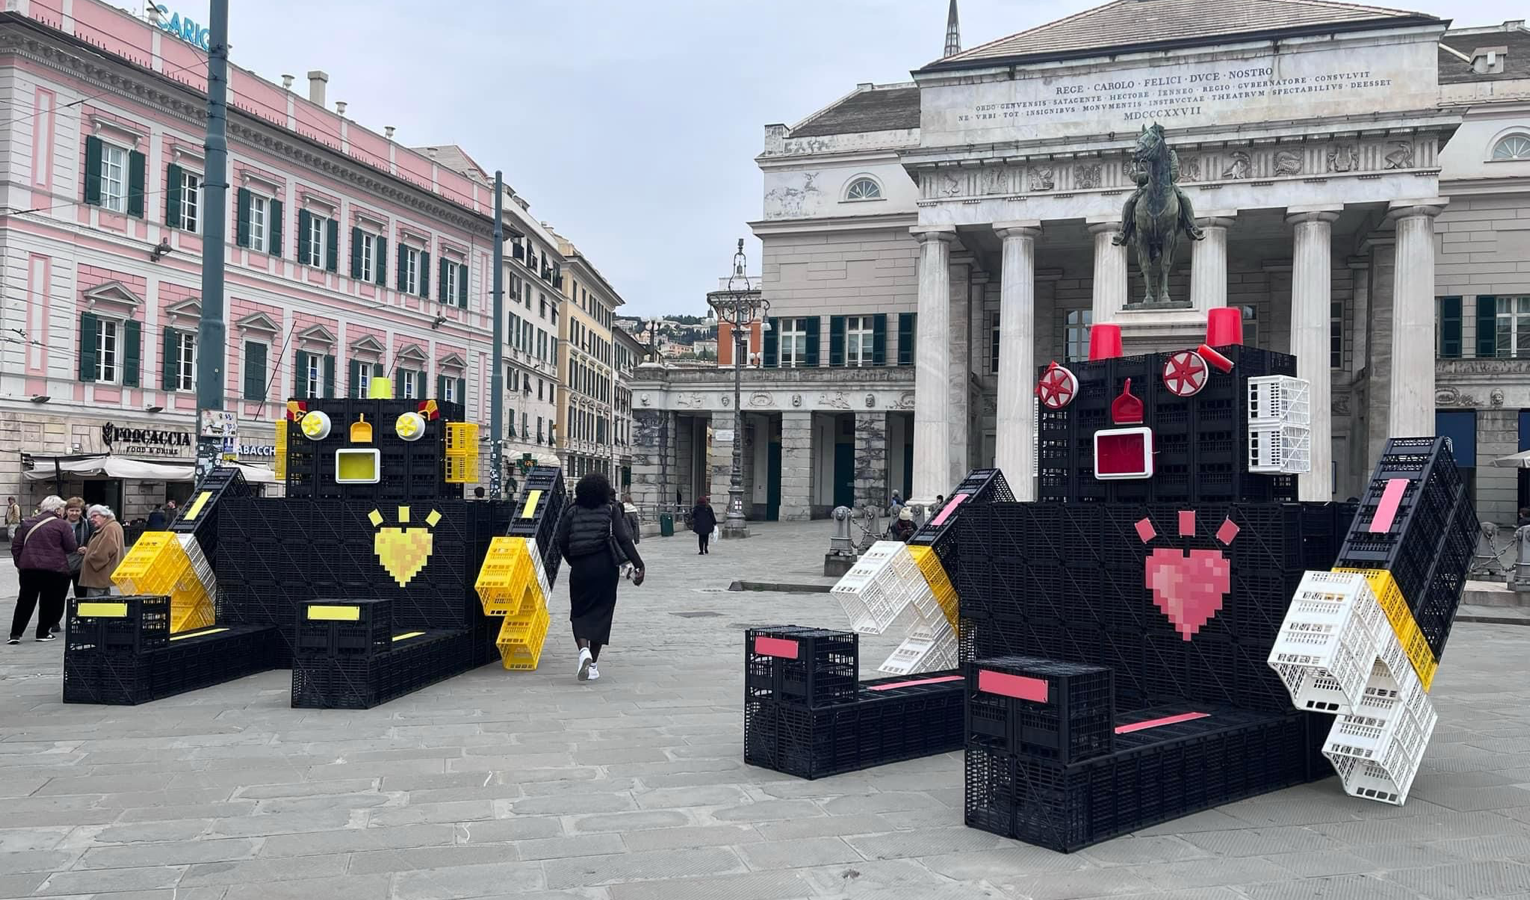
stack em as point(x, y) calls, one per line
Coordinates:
point(108, 466)
point(1520, 460)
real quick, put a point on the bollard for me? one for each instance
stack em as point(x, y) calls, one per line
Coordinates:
point(1520, 580)
point(841, 556)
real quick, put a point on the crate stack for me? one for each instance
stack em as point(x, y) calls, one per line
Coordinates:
point(350, 655)
point(1279, 425)
point(807, 713)
point(173, 565)
point(1363, 642)
point(1200, 442)
point(411, 469)
point(536, 514)
point(513, 587)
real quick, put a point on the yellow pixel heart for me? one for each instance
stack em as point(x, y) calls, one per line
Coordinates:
point(403, 552)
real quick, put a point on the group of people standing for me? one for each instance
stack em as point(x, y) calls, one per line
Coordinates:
point(63, 544)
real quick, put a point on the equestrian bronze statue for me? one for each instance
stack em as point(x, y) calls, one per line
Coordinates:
point(1156, 213)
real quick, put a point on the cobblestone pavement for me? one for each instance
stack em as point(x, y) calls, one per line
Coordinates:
point(498, 784)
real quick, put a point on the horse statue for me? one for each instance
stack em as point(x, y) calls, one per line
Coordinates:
point(1156, 213)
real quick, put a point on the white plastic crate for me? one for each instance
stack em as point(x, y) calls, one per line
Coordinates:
point(1371, 781)
point(924, 650)
point(1279, 400)
point(200, 567)
point(874, 608)
point(1388, 774)
point(1279, 449)
point(1393, 721)
point(884, 558)
point(1330, 637)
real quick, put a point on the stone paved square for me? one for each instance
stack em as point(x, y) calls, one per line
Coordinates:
point(498, 784)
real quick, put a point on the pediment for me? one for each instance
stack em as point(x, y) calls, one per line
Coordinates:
point(412, 352)
point(113, 294)
point(368, 344)
point(317, 334)
point(452, 361)
point(258, 322)
point(186, 309)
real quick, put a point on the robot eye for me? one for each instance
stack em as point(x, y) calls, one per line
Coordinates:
point(316, 426)
point(410, 426)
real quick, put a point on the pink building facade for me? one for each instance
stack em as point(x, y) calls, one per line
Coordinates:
point(348, 256)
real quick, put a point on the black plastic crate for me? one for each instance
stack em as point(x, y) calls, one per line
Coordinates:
point(128, 625)
point(199, 516)
point(345, 627)
point(811, 666)
point(981, 486)
point(1040, 707)
point(365, 681)
point(187, 662)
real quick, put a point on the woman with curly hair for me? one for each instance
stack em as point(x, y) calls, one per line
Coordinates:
point(593, 537)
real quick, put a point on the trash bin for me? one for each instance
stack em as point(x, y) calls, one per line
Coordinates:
point(666, 524)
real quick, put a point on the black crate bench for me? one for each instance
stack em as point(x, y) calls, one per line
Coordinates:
point(790, 663)
point(1041, 708)
point(1169, 762)
point(890, 720)
point(186, 662)
point(121, 625)
point(344, 627)
point(413, 660)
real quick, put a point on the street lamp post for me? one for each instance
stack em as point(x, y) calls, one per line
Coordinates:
point(738, 305)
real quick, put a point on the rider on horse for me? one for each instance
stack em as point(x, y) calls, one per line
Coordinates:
point(1140, 175)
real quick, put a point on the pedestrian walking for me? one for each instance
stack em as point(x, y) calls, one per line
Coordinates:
point(103, 554)
point(903, 527)
point(41, 553)
point(703, 521)
point(12, 517)
point(156, 519)
point(592, 536)
point(634, 521)
point(74, 514)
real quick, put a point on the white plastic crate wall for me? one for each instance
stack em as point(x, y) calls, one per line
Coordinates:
point(1279, 400)
point(1279, 449)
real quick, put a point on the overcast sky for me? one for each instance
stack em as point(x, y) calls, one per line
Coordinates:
point(631, 127)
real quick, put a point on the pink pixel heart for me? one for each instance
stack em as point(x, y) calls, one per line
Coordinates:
point(1188, 589)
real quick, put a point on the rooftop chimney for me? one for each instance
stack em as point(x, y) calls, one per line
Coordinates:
point(287, 82)
point(316, 83)
point(340, 107)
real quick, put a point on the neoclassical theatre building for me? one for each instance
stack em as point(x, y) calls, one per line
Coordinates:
point(1362, 177)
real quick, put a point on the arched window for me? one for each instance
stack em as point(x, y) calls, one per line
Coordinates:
point(1515, 146)
point(863, 188)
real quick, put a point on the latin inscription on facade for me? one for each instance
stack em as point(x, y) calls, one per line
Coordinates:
point(1209, 92)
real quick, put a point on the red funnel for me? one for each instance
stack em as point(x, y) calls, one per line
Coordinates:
point(1104, 342)
point(1224, 327)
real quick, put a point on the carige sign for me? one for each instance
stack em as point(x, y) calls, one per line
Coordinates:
point(183, 28)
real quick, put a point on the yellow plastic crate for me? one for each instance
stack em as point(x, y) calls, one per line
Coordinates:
point(935, 576)
point(1395, 605)
point(518, 629)
point(502, 579)
point(461, 438)
point(154, 565)
point(280, 468)
point(191, 610)
point(524, 655)
point(461, 469)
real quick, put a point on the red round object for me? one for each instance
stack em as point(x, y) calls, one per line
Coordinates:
point(1185, 373)
point(1057, 387)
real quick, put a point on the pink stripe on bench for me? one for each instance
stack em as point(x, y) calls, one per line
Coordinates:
point(1386, 510)
point(949, 508)
point(769, 646)
point(898, 684)
point(1018, 686)
point(1166, 720)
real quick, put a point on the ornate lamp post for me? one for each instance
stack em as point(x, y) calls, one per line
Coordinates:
point(739, 305)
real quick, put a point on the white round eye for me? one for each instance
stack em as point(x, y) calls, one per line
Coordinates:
point(315, 425)
point(410, 426)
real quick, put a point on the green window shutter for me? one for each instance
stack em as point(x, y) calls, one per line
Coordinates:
point(354, 381)
point(1450, 327)
point(255, 373)
point(403, 267)
point(355, 252)
point(380, 261)
point(398, 383)
point(93, 172)
point(242, 229)
point(462, 393)
point(440, 387)
point(173, 196)
point(332, 263)
point(274, 246)
point(167, 359)
point(772, 342)
point(425, 275)
point(329, 376)
point(441, 283)
point(879, 339)
point(300, 376)
point(906, 324)
point(305, 226)
point(1487, 327)
point(836, 341)
point(137, 171)
point(462, 286)
point(132, 351)
point(814, 323)
point(88, 337)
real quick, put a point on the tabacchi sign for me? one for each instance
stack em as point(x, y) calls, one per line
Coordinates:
point(183, 28)
point(145, 441)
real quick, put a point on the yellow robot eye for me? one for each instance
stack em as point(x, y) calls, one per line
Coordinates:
point(315, 425)
point(410, 426)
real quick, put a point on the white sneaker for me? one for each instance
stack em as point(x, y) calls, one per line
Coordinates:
point(585, 664)
point(594, 673)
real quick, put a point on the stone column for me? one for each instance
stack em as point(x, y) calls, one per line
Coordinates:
point(871, 460)
point(653, 459)
point(1379, 370)
point(1311, 291)
point(1109, 271)
point(1015, 436)
point(1411, 399)
point(959, 402)
point(720, 459)
point(796, 466)
point(932, 373)
point(1208, 265)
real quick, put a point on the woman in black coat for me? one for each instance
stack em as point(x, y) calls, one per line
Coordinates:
point(703, 520)
point(589, 535)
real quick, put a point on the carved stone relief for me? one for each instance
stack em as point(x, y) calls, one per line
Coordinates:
point(837, 401)
point(1189, 169)
point(1238, 168)
point(1449, 396)
point(1399, 155)
point(1343, 157)
point(1041, 178)
point(951, 185)
point(688, 401)
point(796, 399)
point(1087, 177)
point(996, 180)
point(871, 401)
point(1495, 397)
point(760, 400)
point(906, 400)
point(1288, 162)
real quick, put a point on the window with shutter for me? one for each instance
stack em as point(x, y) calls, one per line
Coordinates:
point(169, 365)
point(132, 352)
point(879, 339)
point(462, 286)
point(302, 378)
point(381, 263)
point(173, 195)
point(255, 372)
point(443, 281)
point(305, 237)
point(813, 339)
point(329, 376)
point(1450, 327)
point(89, 328)
point(772, 342)
point(424, 274)
point(274, 244)
point(332, 252)
point(242, 221)
point(1487, 327)
point(354, 390)
point(93, 153)
point(356, 253)
point(137, 175)
point(837, 340)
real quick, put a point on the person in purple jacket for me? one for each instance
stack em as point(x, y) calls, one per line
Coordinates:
point(41, 551)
